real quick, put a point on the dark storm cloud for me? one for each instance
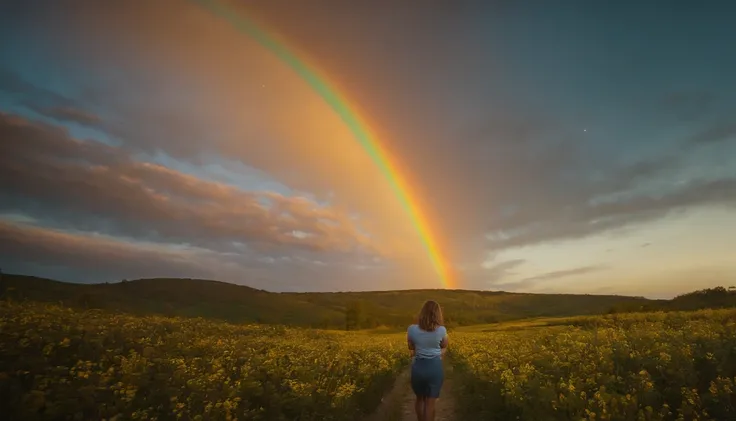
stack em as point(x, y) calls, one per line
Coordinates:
point(42, 168)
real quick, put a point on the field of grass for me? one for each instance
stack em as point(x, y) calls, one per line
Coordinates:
point(656, 366)
point(56, 363)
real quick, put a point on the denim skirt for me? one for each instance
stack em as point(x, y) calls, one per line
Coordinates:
point(427, 376)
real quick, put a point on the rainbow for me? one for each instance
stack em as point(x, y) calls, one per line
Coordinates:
point(357, 125)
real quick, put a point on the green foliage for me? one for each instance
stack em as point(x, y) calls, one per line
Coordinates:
point(240, 304)
point(355, 316)
point(176, 297)
point(57, 363)
point(656, 366)
point(718, 297)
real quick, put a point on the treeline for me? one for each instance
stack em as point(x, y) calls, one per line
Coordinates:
point(715, 298)
point(363, 314)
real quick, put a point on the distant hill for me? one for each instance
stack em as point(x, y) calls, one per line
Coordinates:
point(236, 303)
point(174, 297)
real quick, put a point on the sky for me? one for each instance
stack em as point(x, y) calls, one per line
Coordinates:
point(585, 147)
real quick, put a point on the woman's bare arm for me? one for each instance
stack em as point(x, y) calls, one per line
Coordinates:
point(443, 345)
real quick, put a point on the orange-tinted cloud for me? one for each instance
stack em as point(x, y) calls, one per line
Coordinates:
point(51, 247)
point(210, 89)
point(44, 164)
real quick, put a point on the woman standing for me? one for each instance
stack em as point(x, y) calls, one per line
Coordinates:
point(428, 343)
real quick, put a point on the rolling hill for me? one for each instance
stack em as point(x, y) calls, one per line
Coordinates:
point(236, 303)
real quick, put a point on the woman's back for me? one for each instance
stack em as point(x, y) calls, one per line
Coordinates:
point(426, 343)
point(427, 340)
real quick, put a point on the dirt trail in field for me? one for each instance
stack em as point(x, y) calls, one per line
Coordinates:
point(398, 404)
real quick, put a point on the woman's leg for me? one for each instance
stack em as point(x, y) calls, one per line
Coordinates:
point(419, 386)
point(429, 405)
point(436, 378)
point(419, 407)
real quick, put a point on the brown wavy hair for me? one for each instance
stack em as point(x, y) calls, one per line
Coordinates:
point(430, 316)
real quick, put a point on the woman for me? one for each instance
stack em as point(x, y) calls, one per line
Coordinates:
point(428, 343)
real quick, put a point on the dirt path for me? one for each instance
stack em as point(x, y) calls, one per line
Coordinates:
point(398, 404)
point(445, 404)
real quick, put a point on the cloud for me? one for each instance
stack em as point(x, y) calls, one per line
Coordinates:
point(689, 105)
point(554, 186)
point(485, 146)
point(489, 273)
point(91, 257)
point(582, 218)
point(23, 91)
point(721, 132)
point(204, 103)
point(533, 281)
point(22, 243)
point(98, 187)
point(70, 114)
point(498, 271)
point(563, 273)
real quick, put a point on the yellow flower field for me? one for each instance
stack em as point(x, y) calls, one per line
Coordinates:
point(674, 366)
point(57, 363)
